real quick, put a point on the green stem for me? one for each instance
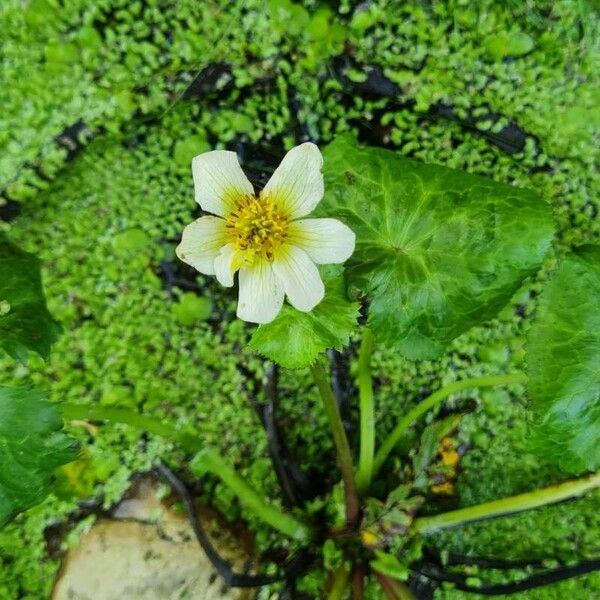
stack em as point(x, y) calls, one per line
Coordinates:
point(341, 443)
point(431, 401)
point(209, 460)
point(163, 428)
point(364, 471)
point(507, 506)
point(394, 590)
point(340, 583)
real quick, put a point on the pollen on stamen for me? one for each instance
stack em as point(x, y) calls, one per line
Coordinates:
point(256, 227)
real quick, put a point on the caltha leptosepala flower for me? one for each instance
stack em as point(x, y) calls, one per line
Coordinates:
point(264, 234)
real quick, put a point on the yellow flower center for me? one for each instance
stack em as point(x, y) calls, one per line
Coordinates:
point(257, 228)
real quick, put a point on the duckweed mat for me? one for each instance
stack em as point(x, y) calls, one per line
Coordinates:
point(104, 104)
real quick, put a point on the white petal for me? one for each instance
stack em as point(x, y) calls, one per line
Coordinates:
point(201, 242)
point(326, 241)
point(300, 277)
point(261, 293)
point(219, 181)
point(297, 183)
point(224, 265)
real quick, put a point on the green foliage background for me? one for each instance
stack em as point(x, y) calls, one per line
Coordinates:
point(102, 111)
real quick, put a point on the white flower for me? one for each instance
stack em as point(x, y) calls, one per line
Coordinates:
point(263, 235)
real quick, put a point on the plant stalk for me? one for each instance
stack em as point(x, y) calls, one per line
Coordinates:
point(364, 471)
point(339, 584)
point(507, 506)
point(358, 582)
point(394, 590)
point(91, 412)
point(433, 400)
point(341, 443)
point(210, 460)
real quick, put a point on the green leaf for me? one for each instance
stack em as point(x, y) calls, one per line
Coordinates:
point(187, 148)
point(192, 308)
point(130, 241)
point(389, 565)
point(61, 54)
point(288, 17)
point(318, 26)
point(514, 43)
point(295, 339)
point(31, 447)
point(88, 38)
point(563, 355)
point(438, 251)
point(25, 323)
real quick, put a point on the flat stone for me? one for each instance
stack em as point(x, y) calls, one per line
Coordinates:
point(147, 551)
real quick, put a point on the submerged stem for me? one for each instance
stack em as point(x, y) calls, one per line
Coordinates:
point(507, 506)
point(341, 443)
point(436, 398)
point(364, 472)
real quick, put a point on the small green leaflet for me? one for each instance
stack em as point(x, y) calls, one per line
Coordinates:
point(25, 323)
point(438, 251)
point(563, 355)
point(295, 339)
point(503, 44)
point(31, 447)
point(389, 565)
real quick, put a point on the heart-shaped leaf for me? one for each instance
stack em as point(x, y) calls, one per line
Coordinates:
point(31, 447)
point(438, 251)
point(25, 323)
point(563, 355)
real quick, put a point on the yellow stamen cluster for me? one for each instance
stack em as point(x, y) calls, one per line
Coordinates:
point(256, 227)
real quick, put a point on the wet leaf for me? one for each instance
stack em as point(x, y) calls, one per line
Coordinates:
point(25, 323)
point(31, 447)
point(563, 355)
point(437, 251)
